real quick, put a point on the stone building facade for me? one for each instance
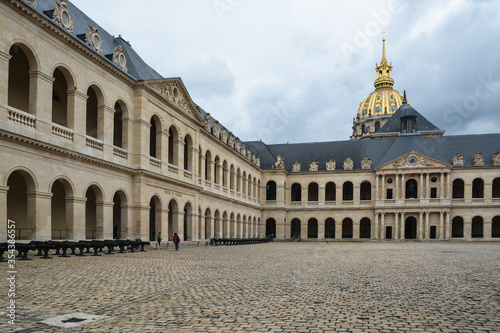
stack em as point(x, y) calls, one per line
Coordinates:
point(91, 138)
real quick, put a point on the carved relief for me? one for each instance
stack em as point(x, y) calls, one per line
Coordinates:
point(206, 122)
point(32, 2)
point(330, 164)
point(280, 163)
point(216, 129)
point(243, 150)
point(348, 164)
point(257, 160)
point(61, 15)
point(399, 162)
point(231, 140)
point(314, 165)
point(296, 166)
point(223, 135)
point(458, 160)
point(119, 58)
point(171, 92)
point(425, 162)
point(366, 163)
point(252, 157)
point(478, 159)
point(249, 154)
point(496, 158)
point(92, 38)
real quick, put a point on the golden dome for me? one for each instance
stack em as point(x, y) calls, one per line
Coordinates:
point(380, 102)
point(384, 100)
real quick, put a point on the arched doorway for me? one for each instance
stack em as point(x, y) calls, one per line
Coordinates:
point(347, 228)
point(457, 227)
point(94, 213)
point(19, 78)
point(154, 218)
point(365, 228)
point(188, 222)
point(411, 228)
point(61, 214)
point(295, 229)
point(312, 228)
point(18, 207)
point(495, 227)
point(120, 215)
point(271, 190)
point(477, 227)
point(330, 228)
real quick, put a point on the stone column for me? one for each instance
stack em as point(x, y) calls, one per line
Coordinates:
point(107, 220)
point(321, 229)
point(421, 192)
point(338, 229)
point(403, 189)
point(427, 225)
point(396, 226)
point(39, 204)
point(397, 187)
point(4, 95)
point(376, 227)
point(441, 185)
point(356, 195)
point(403, 226)
point(202, 226)
point(40, 103)
point(3, 203)
point(78, 220)
point(338, 195)
point(303, 229)
point(449, 186)
point(355, 229)
point(303, 193)
point(421, 228)
point(441, 229)
point(383, 194)
point(448, 226)
point(321, 195)
point(377, 196)
point(180, 225)
point(427, 186)
point(382, 226)
point(280, 194)
point(108, 125)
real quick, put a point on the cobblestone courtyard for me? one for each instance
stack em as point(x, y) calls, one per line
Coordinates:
point(280, 287)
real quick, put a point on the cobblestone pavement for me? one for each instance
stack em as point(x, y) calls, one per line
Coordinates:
point(279, 287)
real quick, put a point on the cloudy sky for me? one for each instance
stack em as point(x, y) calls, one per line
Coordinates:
point(296, 71)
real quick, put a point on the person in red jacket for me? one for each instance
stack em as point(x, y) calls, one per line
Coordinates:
point(176, 240)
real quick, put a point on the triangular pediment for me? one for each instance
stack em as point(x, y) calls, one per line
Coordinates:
point(175, 93)
point(413, 160)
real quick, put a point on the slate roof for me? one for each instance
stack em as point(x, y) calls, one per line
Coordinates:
point(381, 151)
point(137, 68)
point(393, 124)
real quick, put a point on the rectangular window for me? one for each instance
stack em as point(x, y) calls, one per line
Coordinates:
point(389, 193)
point(434, 191)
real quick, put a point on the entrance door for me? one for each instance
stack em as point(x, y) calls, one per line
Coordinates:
point(388, 232)
point(411, 228)
point(433, 232)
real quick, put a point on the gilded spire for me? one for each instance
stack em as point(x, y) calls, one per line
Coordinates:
point(384, 72)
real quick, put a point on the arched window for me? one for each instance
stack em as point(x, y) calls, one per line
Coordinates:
point(92, 113)
point(478, 188)
point(19, 79)
point(296, 192)
point(495, 227)
point(330, 190)
point(59, 99)
point(377, 126)
point(188, 144)
point(154, 138)
point(271, 190)
point(118, 126)
point(208, 165)
point(366, 191)
point(312, 192)
point(458, 189)
point(295, 229)
point(224, 173)
point(411, 189)
point(347, 191)
point(173, 140)
point(216, 169)
point(231, 177)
